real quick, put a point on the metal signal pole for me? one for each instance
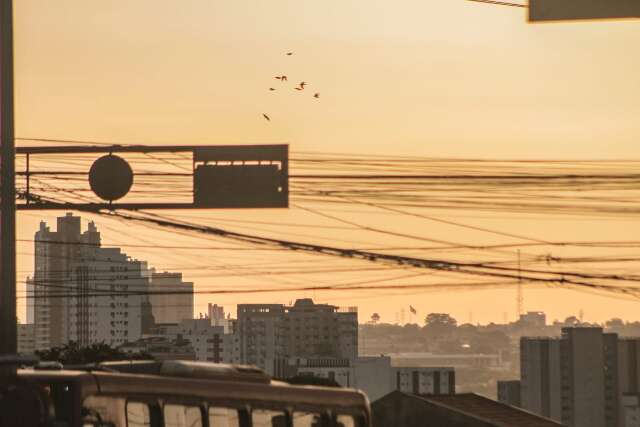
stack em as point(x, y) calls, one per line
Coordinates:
point(8, 319)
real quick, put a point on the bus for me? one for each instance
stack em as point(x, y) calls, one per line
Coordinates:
point(172, 394)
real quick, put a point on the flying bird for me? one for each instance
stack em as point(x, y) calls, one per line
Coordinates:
point(297, 88)
point(289, 53)
point(266, 117)
point(316, 95)
point(281, 78)
point(302, 85)
point(272, 88)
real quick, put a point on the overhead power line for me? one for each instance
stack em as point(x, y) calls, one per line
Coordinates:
point(458, 267)
point(500, 3)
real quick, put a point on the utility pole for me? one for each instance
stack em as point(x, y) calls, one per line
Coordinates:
point(8, 319)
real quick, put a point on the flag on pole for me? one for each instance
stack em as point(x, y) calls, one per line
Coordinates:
point(412, 310)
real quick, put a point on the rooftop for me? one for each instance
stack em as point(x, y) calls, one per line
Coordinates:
point(499, 414)
point(455, 410)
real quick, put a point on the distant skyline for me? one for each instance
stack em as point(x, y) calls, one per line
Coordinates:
point(435, 78)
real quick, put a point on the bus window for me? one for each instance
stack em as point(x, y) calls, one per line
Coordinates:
point(268, 418)
point(138, 415)
point(223, 417)
point(61, 394)
point(345, 421)
point(307, 419)
point(182, 416)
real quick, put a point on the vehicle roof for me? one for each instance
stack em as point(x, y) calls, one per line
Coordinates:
point(116, 383)
point(111, 383)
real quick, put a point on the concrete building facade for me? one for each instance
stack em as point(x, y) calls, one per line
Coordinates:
point(217, 317)
point(509, 393)
point(376, 376)
point(175, 305)
point(206, 340)
point(26, 338)
point(320, 330)
point(535, 319)
point(55, 251)
point(260, 331)
point(71, 272)
point(270, 334)
point(631, 409)
point(113, 319)
point(208, 343)
point(580, 377)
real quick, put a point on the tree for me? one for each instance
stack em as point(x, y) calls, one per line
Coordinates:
point(490, 342)
point(572, 321)
point(440, 320)
point(73, 354)
point(615, 323)
point(375, 318)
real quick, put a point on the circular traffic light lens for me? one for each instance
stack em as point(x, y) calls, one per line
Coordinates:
point(110, 177)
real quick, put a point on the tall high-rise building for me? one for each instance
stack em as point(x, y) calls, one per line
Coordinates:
point(72, 270)
point(272, 333)
point(259, 327)
point(26, 338)
point(114, 319)
point(31, 290)
point(177, 303)
point(55, 252)
point(216, 316)
point(580, 377)
point(320, 330)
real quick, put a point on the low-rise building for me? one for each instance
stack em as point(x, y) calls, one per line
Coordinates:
point(376, 376)
point(171, 297)
point(509, 392)
point(533, 319)
point(423, 359)
point(161, 348)
point(209, 343)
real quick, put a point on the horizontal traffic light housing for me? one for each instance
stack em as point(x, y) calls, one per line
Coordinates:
point(572, 10)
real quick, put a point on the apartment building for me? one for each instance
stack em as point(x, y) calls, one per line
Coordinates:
point(72, 271)
point(272, 333)
point(580, 377)
point(171, 298)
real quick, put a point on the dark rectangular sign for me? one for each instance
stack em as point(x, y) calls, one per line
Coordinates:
point(570, 10)
point(239, 186)
point(241, 177)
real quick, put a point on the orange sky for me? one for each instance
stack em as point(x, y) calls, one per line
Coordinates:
point(431, 78)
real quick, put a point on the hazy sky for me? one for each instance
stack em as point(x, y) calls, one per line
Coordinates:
point(430, 77)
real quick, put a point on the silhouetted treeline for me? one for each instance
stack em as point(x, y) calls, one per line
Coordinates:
point(74, 354)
